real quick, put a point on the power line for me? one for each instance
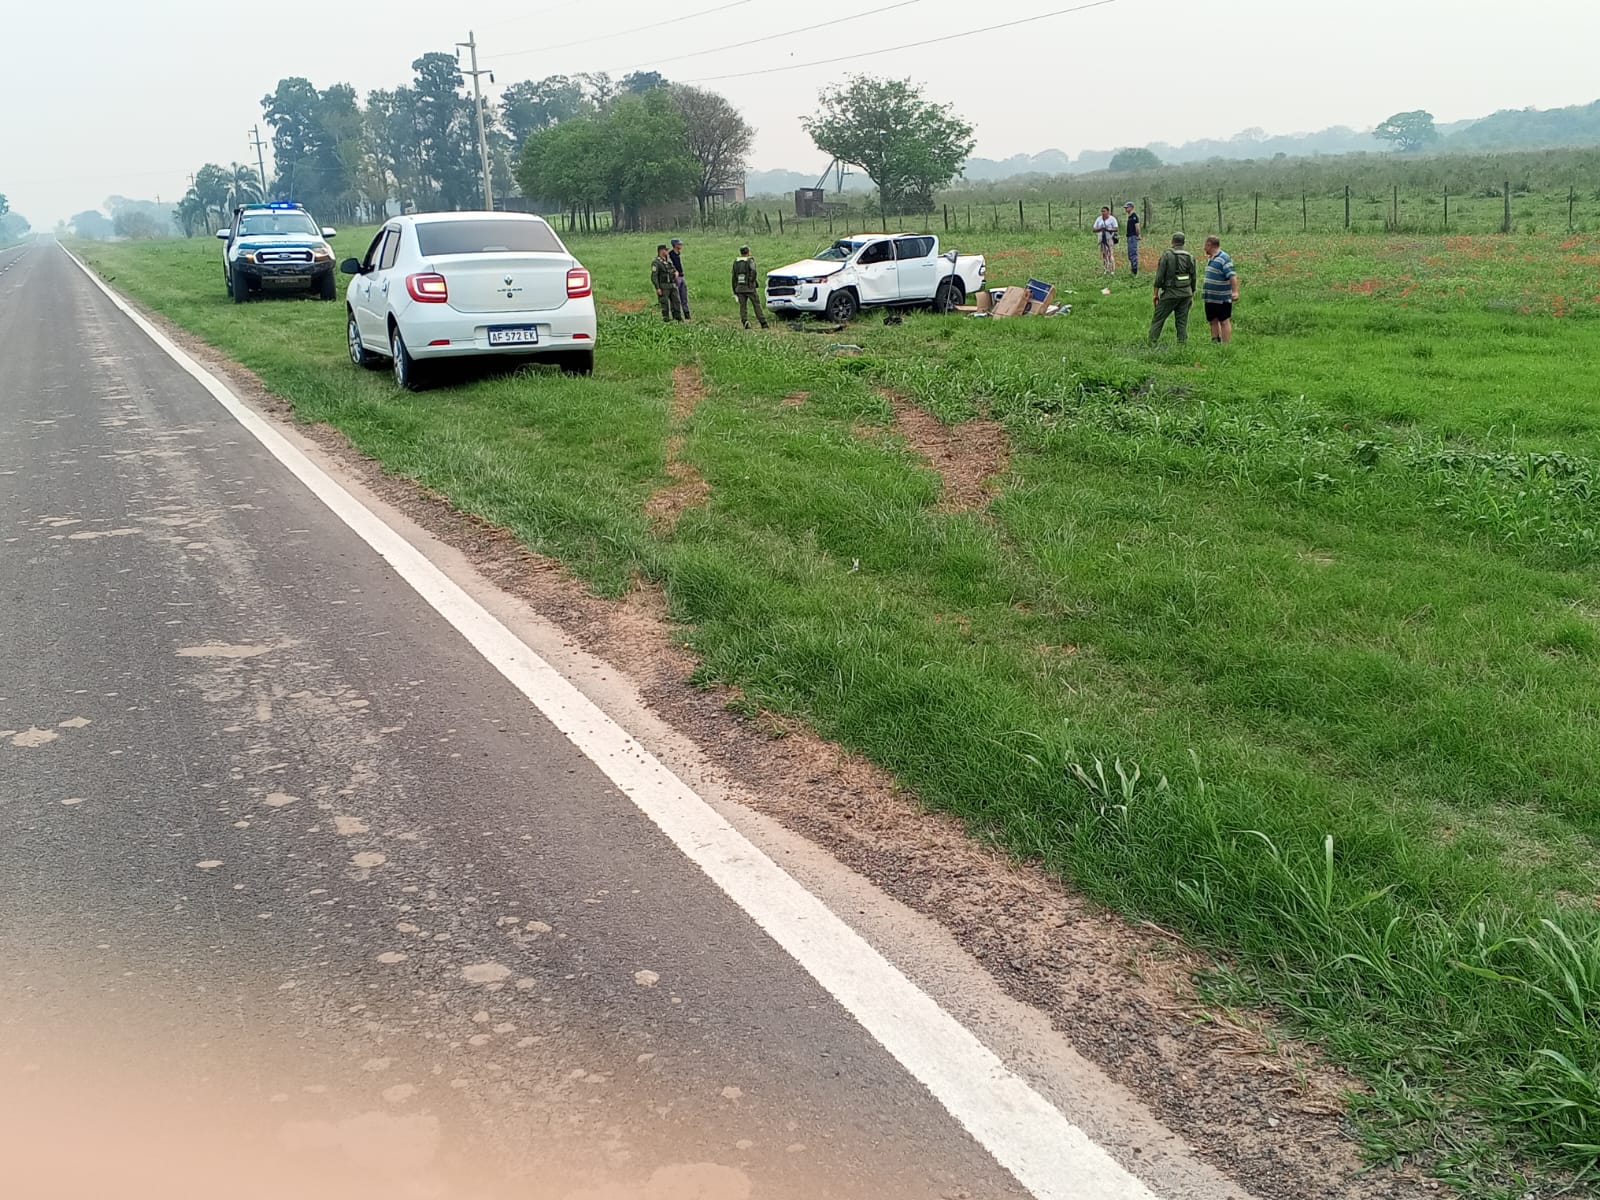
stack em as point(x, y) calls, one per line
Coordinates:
point(949, 37)
point(704, 12)
point(773, 36)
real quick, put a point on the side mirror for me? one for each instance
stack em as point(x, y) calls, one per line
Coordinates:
point(224, 234)
point(351, 266)
point(329, 233)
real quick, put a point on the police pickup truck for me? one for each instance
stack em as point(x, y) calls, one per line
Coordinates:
point(899, 269)
point(276, 247)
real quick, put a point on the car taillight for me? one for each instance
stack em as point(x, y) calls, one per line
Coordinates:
point(427, 289)
point(578, 284)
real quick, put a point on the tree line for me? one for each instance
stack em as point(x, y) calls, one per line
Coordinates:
point(580, 144)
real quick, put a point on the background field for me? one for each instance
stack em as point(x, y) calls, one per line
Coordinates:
point(1292, 645)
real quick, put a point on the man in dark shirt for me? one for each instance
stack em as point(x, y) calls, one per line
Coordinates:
point(682, 283)
point(1130, 230)
point(1174, 290)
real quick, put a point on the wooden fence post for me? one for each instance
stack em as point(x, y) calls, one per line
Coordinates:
point(1394, 208)
point(1347, 206)
point(1219, 212)
point(780, 220)
point(1255, 217)
point(1447, 210)
point(1050, 220)
point(1080, 212)
point(1571, 197)
point(1505, 192)
point(1146, 210)
point(1021, 221)
point(1180, 214)
point(1305, 218)
point(947, 218)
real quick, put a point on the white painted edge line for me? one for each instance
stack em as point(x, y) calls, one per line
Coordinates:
point(1028, 1136)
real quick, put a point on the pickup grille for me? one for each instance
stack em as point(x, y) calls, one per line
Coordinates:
point(782, 285)
point(283, 256)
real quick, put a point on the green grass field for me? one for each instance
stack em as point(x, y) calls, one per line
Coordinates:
point(1292, 645)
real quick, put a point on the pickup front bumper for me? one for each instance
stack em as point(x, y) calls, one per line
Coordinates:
point(788, 294)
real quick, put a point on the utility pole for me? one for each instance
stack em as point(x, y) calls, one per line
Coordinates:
point(261, 163)
point(471, 45)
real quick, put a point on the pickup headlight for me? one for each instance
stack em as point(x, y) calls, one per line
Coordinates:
point(818, 279)
point(322, 254)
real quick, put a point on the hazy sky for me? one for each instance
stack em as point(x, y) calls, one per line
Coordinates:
point(100, 97)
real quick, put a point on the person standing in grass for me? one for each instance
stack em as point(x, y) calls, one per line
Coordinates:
point(1130, 230)
point(747, 287)
point(1220, 291)
point(1105, 229)
point(665, 280)
point(682, 284)
point(1174, 291)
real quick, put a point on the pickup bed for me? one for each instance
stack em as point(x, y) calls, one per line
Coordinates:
point(901, 269)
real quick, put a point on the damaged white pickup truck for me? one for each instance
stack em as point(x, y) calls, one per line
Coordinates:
point(899, 269)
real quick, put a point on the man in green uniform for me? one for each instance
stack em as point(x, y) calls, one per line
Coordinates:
point(665, 280)
point(747, 288)
point(1174, 294)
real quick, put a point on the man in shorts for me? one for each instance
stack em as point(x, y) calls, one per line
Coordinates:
point(1221, 290)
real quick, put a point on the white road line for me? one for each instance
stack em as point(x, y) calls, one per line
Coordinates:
point(1028, 1136)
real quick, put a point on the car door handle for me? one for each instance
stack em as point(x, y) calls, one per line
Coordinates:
point(385, 288)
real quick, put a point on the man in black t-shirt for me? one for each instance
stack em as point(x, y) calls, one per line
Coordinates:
point(1130, 230)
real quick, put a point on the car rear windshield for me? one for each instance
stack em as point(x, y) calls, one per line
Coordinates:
point(438, 238)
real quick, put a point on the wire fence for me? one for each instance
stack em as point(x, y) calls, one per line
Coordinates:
point(1496, 207)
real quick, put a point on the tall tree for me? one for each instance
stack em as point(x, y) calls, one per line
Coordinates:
point(637, 83)
point(530, 106)
point(717, 137)
point(394, 141)
point(311, 143)
point(446, 133)
point(1408, 130)
point(907, 145)
point(629, 157)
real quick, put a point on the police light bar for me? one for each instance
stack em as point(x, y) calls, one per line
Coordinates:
point(283, 204)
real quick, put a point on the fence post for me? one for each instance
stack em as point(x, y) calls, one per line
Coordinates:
point(1505, 192)
point(1255, 217)
point(1080, 212)
point(1347, 206)
point(780, 220)
point(1180, 214)
point(947, 218)
point(1146, 209)
point(1050, 221)
point(1219, 212)
point(1394, 208)
point(996, 208)
point(1305, 219)
point(1570, 198)
point(1021, 221)
point(1447, 210)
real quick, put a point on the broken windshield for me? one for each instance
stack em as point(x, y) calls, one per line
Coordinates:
point(839, 251)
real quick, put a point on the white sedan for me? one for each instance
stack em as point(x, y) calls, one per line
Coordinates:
point(467, 284)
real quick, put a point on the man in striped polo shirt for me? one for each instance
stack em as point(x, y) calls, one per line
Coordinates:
point(1221, 290)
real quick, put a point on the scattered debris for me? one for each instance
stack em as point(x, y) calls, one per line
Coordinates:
point(1037, 299)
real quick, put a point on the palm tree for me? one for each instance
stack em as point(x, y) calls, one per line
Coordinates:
point(213, 185)
point(191, 213)
point(244, 186)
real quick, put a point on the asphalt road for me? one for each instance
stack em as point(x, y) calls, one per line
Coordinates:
point(299, 894)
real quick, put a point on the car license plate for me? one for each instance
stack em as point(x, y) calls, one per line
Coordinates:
point(514, 335)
